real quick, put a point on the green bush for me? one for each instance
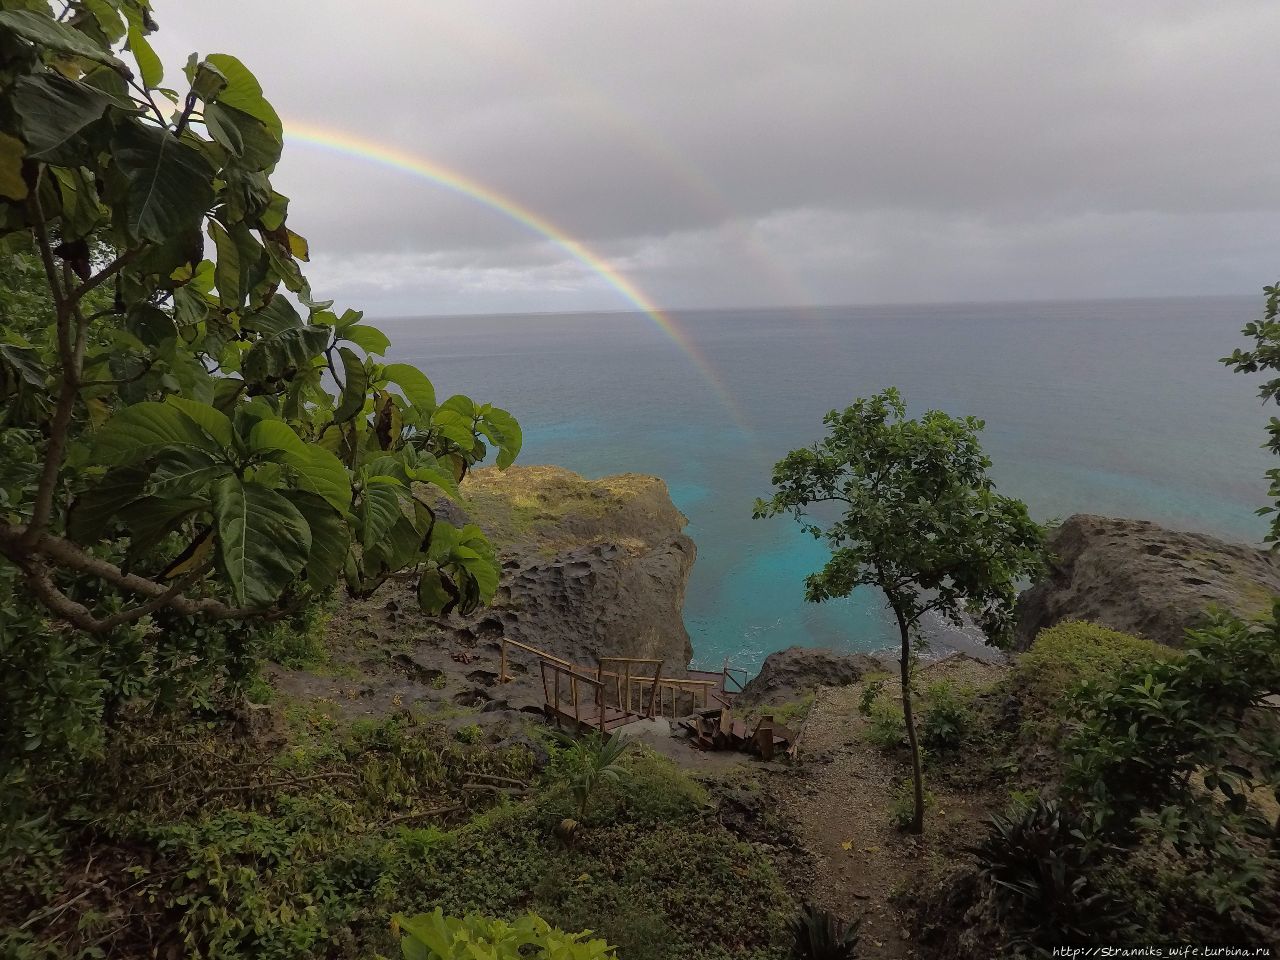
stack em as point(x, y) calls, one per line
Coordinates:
point(819, 935)
point(873, 685)
point(1068, 655)
point(299, 642)
point(948, 716)
point(887, 728)
point(589, 762)
point(433, 936)
point(902, 806)
point(1039, 868)
point(1172, 752)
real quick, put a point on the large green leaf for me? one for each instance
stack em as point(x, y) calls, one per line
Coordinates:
point(430, 470)
point(398, 549)
point(93, 510)
point(142, 430)
point(54, 112)
point(241, 263)
point(276, 317)
point(149, 64)
point(289, 350)
point(355, 386)
point(319, 471)
point(379, 510)
point(150, 519)
point(433, 596)
point(503, 430)
point(185, 472)
point(369, 339)
point(263, 540)
point(108, 20)
point(246, 137)
point(169, 182)
point(330, 539)
point(81, 211)
point(417, 389)
point(12, 185)
point(211, 420)
point(44, 31)
point(454, 426)
point(243, 92)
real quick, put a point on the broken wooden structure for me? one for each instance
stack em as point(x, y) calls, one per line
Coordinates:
point(719, 729)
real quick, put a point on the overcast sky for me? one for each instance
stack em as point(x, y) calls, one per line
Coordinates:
point(768, 153)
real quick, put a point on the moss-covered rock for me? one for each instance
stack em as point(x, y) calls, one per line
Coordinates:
point(1142, 578)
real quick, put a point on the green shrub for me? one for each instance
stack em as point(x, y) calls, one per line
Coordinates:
point(819, 935)
point(1068, 655)
point(902, 807)
point(1168, 752)
point(887, 728)
point(873, 685)
point(433, 936)
point(588, 762)
point(794, 713)
point(472, 733)
point(948, 716)
point(1038, 866)
point(298, 642)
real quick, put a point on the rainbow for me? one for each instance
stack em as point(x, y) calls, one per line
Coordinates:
point(361, 148)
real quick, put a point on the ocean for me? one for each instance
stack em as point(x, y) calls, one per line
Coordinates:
point(1113, 407)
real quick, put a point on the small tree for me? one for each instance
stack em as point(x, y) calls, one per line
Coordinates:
point(1265, 358)
point(921, 521)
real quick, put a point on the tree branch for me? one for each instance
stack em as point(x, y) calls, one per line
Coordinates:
point(65, 554)
point(105, 274)
point(70, 356)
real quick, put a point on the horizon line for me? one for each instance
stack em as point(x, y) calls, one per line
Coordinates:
point(866, 305)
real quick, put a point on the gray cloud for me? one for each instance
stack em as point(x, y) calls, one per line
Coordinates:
point(759, 153)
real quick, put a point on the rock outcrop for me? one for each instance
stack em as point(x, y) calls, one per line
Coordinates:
point(590, 567)
point(789, 674)
point(1142, 578)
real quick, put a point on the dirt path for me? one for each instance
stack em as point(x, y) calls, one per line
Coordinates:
point(841, 803)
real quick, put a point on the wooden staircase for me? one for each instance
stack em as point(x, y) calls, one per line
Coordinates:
point(621, 690)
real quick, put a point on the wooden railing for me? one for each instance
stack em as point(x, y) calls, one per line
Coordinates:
point(628, 687)
point(731, 676)
point(573, 703)
point(503, 676)
point(633, 685)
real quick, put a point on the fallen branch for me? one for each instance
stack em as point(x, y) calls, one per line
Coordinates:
point(498, 779)
point(293, 782)
point(433, 812)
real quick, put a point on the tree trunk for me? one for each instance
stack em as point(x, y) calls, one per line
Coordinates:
point(917, 775)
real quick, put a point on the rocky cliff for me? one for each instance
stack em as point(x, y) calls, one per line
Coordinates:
point(589, 568)
point(1142, 578)
point(789, 674)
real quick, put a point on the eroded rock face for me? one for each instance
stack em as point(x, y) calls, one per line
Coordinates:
point(590, 567)
point(789, 674)
point(1142, 578)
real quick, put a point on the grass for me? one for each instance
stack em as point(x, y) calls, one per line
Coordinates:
point(187, 839)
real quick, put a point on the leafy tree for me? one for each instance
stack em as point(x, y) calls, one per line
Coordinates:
point(921, 522)
point(1265, 357)
point(174, 442)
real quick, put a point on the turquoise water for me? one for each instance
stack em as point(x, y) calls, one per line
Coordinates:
point(1115, 407)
